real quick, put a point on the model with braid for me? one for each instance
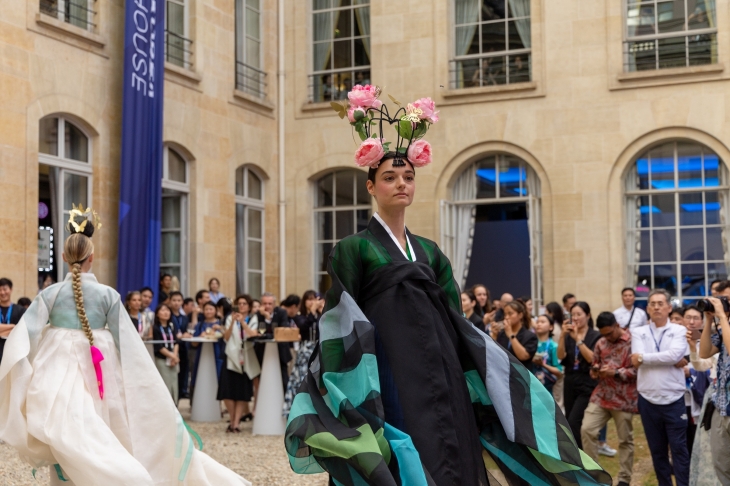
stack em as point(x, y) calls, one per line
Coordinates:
point(79, 392)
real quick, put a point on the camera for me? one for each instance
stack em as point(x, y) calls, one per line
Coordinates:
point(705, 305)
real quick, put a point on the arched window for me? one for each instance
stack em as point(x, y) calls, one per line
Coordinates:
point(677, 209)
point(64, 179)
point(491, 228)
point(175, 191)
point(342, 208)
point(249, 232)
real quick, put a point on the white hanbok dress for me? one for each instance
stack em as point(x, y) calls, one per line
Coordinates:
point(52, 414)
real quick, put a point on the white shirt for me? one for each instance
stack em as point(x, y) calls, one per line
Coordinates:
point(622, 315)
point(658, 381)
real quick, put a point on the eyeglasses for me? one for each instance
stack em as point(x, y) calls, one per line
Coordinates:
point(656, 304)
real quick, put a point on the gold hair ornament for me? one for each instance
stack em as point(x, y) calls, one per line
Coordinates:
point(88, 214)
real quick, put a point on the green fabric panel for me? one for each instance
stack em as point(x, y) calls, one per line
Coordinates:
point(305, 465)
point(302, 405)
point(515, 466)
point(364, 449)
point(477, 389)
point(331, 354)
point(383, 444)
point(551, 464)
point(354, 385)
point(543, 418)
point(589, 463)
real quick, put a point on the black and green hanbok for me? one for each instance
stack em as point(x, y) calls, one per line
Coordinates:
point(404, 390)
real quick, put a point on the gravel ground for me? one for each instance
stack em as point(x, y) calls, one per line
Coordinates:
point(260, 459)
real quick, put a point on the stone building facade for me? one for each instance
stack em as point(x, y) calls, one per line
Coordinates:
point(581, 148)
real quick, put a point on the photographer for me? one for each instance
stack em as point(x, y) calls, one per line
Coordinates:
point(712, 343)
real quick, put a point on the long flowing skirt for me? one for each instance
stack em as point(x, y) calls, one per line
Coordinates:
point(51, 412)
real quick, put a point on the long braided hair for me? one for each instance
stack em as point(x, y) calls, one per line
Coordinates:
point(77, 249)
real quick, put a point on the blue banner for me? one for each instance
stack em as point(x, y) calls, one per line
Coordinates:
point(140, 194)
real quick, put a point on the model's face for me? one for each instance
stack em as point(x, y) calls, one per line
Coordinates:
point(163, 314)
point(5, 293)
point(146, 298)
point(267, 304)
point(394, 187)
point(482, 296)
point(214, 285)
point(579, 317)
point(628, 298)
point(543, 325)
point(512, 317)
point(176, 302)
point(209, 312)
point(466, 304)
point(692, 320)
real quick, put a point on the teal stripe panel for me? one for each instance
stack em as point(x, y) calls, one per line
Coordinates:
point(354, 385)
point(305, 465)
point(186, 462)
point(178, 440)
point(515, 466)
point(477, 390)
point(302, 405)
point(409, 462)
point(543, 419)
point(59, 472)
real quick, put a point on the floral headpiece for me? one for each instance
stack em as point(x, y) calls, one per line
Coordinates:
point(366, 112)
point(82, 220)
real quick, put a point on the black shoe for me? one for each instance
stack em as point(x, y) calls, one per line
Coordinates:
point(247, 417)
point(185, 395)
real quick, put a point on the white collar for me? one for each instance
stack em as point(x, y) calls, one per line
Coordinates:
point(85, 276)
point(392, 236)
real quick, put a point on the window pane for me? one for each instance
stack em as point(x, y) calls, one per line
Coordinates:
point(493, 9)
point(253, 56)
point(519, 8)
point(255, 260)
point(689, 165)
point(700, 14)
point(174, 271)
point(711, 165)
point(240, 185)
point(344, 223)
point(493, 37)
point(702, 49)
point(670, 16)
point(343, 28)
point(320, 4)
point(692, 244)
point(468, 32)
point(322, 26)
point(75, 191)
point(171, 212)
point(662, 209)
point(643, 280)
point(712, 208)
point(642, 172)
point(361, 54)
point(515, 39)
point(344, 183)
point(254, 186)
point(511, 177)
point(176, 19)
point(693, 280)
point(690, 209)
point(255, 223)
point(48, 136)
point(175, 167)
point(77, 145)
point(716, 271)
point(645, 247)
point(640, 20)
point(672, 53)
point(324, 226)
point(325, 282)
point(323, 253)
point(255, 285)
point(642, 55)
point(487, 179)
point(363, 218)
point(363, 196)
point(466, 74)
point(519, 68)
point(715, 250)
point(253, 24)
point(324, 191)
point(170, 252)
point(254, 4)
point(494, 71)
point(343, 54)
point(665, 245)
point(645, 210)
point(662, 166)
point(665, 277)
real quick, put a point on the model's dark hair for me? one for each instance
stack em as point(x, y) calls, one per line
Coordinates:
point(520, 308)
point(309, 294)
point(628, 289)
point(585, 308)
point(390, 155)
point(556, 312)
point(566, 297)
point(291, 300)
point(199, 294)
point(605, 319)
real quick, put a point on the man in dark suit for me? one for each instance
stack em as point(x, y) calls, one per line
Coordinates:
point(273, 317)
point(10, 313)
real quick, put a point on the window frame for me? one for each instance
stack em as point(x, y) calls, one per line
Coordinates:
point(632, 200)
point(181, 190)
point(686, 34)
point(60, 13)
point(186, 42)
point(250, 203)
point(313, 73)
point(333, 209)
point(454, 59)
point(67, 166)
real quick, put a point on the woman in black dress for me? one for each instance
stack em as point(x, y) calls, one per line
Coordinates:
point(469, 305)
point(575, 350)
point(516, 336)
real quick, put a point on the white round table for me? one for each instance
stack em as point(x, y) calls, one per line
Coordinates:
point(270, 399)
point(205, 406)
point(151, 348)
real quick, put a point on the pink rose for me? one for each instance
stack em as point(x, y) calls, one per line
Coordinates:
point(370, 153)
point(428, 107)
point(351, 113)
point(365, 96)
point(419, 153)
